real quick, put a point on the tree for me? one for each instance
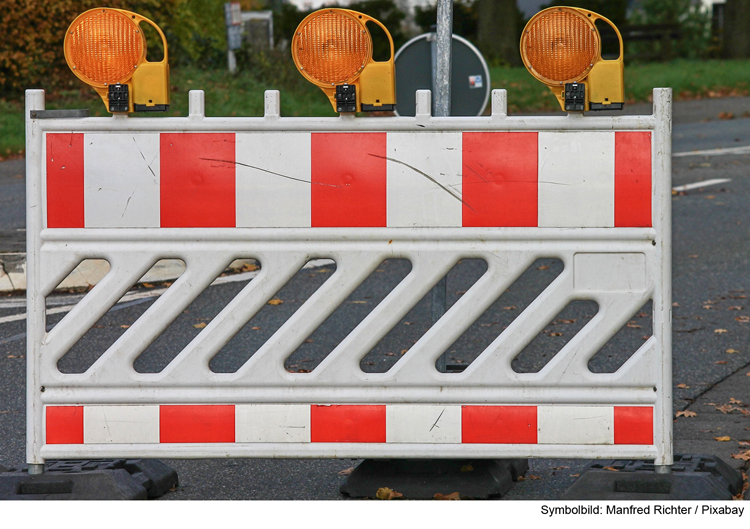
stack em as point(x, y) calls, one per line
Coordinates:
point(499, 31)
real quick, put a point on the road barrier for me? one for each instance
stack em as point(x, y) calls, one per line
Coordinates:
point(593, 192)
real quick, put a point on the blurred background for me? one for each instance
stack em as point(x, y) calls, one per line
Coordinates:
point(700, 48)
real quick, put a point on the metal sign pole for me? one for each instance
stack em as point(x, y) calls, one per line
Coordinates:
point(442, 84)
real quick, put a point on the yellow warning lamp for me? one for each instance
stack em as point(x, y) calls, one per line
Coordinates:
point(561, 47)
point(332, 48)
point(106, 49)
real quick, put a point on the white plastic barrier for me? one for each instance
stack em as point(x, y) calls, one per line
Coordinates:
point(591, 191)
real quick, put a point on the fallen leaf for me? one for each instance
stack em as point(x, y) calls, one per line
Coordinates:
point(611, 469)
point(555, 334)
point(744, 456)
point(559, 468)
point(248, 267)
point(683, 386)
point(467, 468)
point(723, 439)
point(255, 328)
point(200, 325)
point(390, 354)
point(407, 323)
point(532, 476)
point(720, 362)
point(124, 326)
point(512, 307)
point(384, 493)
point(452, 496)
point(686, 413)
point(574, 475)
point(404, 351)
point(14, 356)
point(743, 319)
point(346, 471)
point(148, 285)
point(693, 256)
point(275, 302)
point(633, 325)
point(735, 401)
point(735, 308)
point(303, 371)
point(675, 304)
point(726, 115)
point(543, 267)
point(732, 351)
point(726, 408)
point(358, 302)
point(720, 331)
point(743, 443)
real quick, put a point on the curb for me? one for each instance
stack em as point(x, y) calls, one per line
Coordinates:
point(89, 272)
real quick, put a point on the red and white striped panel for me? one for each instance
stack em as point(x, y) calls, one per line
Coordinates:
point(349, 179)
point(351, 423)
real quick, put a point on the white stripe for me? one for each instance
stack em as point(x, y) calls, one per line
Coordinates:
point(121, 180)
point(576, 179)
point(120, 424)
point(422, 424)
point(585, 425)
point(269, 169)
point(715, 152)
point(272, 423)
point(414, 161)
point(698, 185)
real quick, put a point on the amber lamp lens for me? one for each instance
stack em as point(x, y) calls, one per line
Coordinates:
point(104, 46)
point(560, 46)
point(331, 47)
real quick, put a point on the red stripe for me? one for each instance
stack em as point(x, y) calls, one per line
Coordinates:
point(347, 424)
point(349, 179)
point(632, 179)
point(197, 180)
point(65, 207)
point(634, 425)
point(500, 179)
point(499, 424)
point(196, 424)
point(64, 425)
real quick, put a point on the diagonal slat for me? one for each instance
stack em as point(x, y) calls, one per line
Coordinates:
point(419, 362)
point(201, 270)
point(267, 364)
point(123, 274)
point(342, 365)
point(191, 365)
point(570, 365)
point(492, 366)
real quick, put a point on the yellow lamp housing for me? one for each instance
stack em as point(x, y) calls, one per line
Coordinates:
point(106, 49)
point(561, 47)
point(332, 48)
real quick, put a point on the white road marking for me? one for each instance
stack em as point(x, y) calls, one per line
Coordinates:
point(704, 183)
point(235, 278)
point(714, 152)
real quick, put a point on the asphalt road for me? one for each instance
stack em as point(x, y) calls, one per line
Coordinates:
point(711, 253)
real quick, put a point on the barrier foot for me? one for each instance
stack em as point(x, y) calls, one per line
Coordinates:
point(422, 479)
point(92, 479)
point(692, 477)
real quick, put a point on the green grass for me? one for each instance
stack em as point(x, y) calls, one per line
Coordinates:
point(242, 94)
point(688, 79)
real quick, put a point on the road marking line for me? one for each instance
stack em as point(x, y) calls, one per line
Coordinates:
point(235, 278)
point(714, 152)
point(704, 183)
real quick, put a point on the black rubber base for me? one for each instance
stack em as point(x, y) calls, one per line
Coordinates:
point(421, 479)
point(693, 477)
point(91, 479)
